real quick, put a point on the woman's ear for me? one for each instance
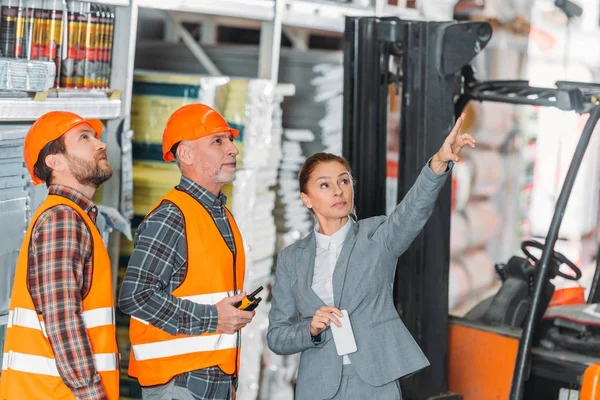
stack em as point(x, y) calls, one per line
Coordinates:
point(306, 201)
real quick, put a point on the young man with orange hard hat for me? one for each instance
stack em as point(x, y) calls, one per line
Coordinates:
point(61, 337)
point(187, 270)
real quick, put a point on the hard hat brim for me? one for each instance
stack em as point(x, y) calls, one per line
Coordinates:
point(168, 156)
point(96, 125)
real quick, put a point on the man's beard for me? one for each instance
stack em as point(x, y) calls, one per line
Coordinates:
point(89, 173)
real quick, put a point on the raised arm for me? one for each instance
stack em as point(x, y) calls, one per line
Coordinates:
point(409, 217)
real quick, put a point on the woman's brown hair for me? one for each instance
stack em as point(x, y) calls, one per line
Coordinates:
point(312, 162)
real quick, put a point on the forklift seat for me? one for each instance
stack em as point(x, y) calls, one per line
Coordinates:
point(510, 304)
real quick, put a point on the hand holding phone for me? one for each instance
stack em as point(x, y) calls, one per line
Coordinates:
point(343, 336)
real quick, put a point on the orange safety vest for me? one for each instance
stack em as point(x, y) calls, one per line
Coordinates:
point(29, 370)
point(213, 273)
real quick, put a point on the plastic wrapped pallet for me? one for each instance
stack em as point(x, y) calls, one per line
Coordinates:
point(26, 76)
point(472, 278)
point(476, 226)
point(253, 337)
point(278, 374)
point(329, 89)
point(458, 285)
point(493, 122)
point(559, 134)
point(294, 221)
point(462, 174)
point(487, 172)
point(254, 198)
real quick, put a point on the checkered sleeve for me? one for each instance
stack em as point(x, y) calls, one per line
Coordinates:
point(160, 254)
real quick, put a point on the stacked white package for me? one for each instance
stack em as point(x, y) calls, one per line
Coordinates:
point(294, 220)
point(559, 134)
point(329, 89)
point(477, 210)
point(254, 195)
point(253, 205)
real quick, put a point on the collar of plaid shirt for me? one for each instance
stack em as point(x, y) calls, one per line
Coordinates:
point(77, 197)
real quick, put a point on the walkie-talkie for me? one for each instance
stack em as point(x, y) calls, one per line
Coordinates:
point(250, 302)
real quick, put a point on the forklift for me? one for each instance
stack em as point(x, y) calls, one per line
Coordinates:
point(511, 345)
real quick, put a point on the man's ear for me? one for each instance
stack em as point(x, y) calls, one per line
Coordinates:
point(184, 154)
point(56, 162)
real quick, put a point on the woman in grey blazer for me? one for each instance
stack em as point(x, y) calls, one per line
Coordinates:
point(350, 265)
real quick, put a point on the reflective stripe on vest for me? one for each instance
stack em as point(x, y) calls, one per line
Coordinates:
point(175, 347)
point(29, 318)
point(47, 366)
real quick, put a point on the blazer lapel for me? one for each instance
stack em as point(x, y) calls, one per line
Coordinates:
point(341, 267)
point(307, 270)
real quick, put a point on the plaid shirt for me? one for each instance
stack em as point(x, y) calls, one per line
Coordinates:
point(60, 266)
point(157, 266)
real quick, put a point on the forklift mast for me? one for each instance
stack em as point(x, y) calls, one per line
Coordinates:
point(427, 58)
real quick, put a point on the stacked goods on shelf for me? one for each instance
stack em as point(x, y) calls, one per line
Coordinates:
point(253, 208)
point(316, 106)
point(22, 75)
point(329, 89)
point(486, 186)
point(476, 219)
point(304, 110)
point(37, 30)
point(294, 220)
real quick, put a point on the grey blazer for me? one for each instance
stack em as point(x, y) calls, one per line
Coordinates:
point(362, 284)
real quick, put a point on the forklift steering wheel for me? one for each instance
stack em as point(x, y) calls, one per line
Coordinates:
point(557, 257)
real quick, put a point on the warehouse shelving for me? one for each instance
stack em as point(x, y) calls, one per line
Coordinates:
point(262, 10)
point(330, 16)
point(122, 3)
point(273, 16)
point(22, 110)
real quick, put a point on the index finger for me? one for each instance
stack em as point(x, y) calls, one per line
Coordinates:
point(457, 125)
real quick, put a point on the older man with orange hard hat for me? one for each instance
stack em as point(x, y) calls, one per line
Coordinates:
point(187, 270)
point(61, 338)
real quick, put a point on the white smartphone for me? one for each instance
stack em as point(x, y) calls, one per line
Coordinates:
point(343, 336)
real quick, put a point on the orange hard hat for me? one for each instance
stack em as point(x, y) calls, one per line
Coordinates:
point(47, 128)
point(191, 122)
